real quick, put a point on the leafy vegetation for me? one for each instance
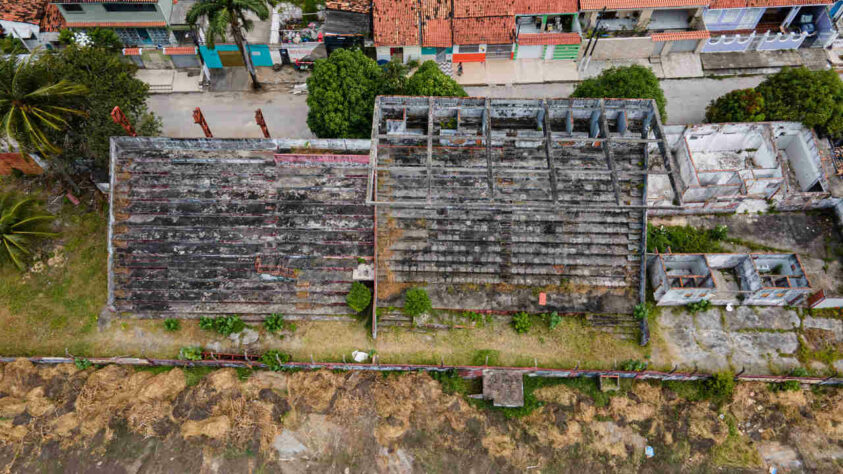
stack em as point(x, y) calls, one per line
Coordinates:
point(276, 322)
point(698, 306)
point(359, 297)
point(22, 221)
point(230, 16)
point(81, 363)
point(343, 87)
point(743, 105)
point(814, 98)
point(521, 322)
point(33, 103)
point(451, 382)
point(416, 302)
point(478, 319)
point(633, 365)
point(790, 385)
point(720, 386)
point(275, 359)
point(628, 82)
point(172, 325)
point(685, 239)
point(12, 45)
point(104, 38)
point(553, 319)
point(640, 311)
point(190, 353)
point(225, 325)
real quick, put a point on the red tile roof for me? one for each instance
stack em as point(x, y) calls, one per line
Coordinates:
point(23, 11)
point(436, 23)
point(395, 22)
point(112, 24)
point(354, 6)
point(535, 39)
point(531, 7)
point(786, 3)
point(489, 30)
point(106, 1)
point(131, 51)
point(639, 4)
point(718, 4)
point(53, 20)
point(680, 35)
point(176, 50)
point(478, 8)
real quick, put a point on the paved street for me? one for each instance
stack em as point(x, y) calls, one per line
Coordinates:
point(686, 98)
point(231, 114)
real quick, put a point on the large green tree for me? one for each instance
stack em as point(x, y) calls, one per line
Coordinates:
point(628, 82)
point(229, 16)
point(814, 98)
point(742, 105)
point(110, 82)
point(341, 95)
point(429, 80)
point(34, 106)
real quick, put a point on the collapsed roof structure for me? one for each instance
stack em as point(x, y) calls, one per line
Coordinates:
point(492, 205)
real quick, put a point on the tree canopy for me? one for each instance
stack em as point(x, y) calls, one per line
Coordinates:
point(110, 83)
point(628, 82)
point(814, 98)
point(429, 80)
point(343, 87)
point(742, 105)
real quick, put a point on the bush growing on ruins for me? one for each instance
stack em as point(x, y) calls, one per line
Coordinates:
point(416, 302)
point(698, 306)
point(190, 353)
point(685, 239)
point(225, 325)
point(640, 311)
point(633, 365)
point(720, 386)
point(743, 105)
point(521, 322)
point(206, 323)
point(274, 359)
point(628, 82)
point(814, 98)
point(359, 297)
point(274, 322)
point(172, 325)
point(81, 363)
point(553, 319)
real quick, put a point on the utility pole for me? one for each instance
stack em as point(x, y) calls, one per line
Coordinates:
point(200, 119)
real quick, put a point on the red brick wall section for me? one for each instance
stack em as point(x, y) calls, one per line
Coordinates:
point(26, 165)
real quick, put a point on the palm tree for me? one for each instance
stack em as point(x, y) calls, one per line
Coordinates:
point(31, 104)
point(230, 15)
point(21, 221)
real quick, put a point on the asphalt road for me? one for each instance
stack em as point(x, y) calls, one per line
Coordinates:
point(232, 114)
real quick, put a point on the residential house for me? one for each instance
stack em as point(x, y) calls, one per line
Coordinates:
point(764, 25)
point(644, 28)
point(476, 31)
point(348, 23)
point(136, 22)
point(34, 22)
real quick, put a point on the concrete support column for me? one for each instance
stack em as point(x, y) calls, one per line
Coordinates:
point(696, 19)
point(591, 20)
point(644, 19)
point(700, 46)
point(668, 45)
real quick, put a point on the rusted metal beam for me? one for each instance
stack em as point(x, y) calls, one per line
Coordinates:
point(199, 118)
point(120, 119)
point(261, 123)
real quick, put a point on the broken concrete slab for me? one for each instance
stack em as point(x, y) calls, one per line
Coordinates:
point(762, 317)
point(835, 326)
point(287, 446)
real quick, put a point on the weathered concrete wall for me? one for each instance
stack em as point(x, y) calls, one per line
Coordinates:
point(623, 48)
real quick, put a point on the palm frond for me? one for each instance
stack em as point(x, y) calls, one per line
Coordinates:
point(30, 220)
point(14, 255)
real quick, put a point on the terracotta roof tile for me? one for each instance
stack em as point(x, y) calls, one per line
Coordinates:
point(490, 30)
point(180, 50)
point(354, 6)
point(395, 22)
point(53, 20)
point(530, 7)
point(107, 1)
point(680, 35)
point(111, 24)
point(436, 23)
point(23, 11)
point(535, 39)
point(638, 4)
point(718, 4)
point(131, 51)
point(480, 8)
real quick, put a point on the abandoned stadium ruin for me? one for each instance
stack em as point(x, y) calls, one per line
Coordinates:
point(492, 205)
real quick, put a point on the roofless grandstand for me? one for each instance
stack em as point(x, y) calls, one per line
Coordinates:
point(497, 205)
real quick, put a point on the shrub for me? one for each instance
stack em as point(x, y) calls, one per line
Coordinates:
point(476, 318)
point(275, 359)
point(206, 323)
point(628, 82)
point(720, 386)
point(743, 105)
point(553, 319)
point(81, 363)
point(274, 322)
point(359, 297)
point(814, 98)
point(633, 365)
point(698, 306)
point(416, 302)
point(172, 325)
point(451, 382)
point(521, 322)
point(685, 239)
point(429, 80)
point(640, 311)
point(190, 353)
